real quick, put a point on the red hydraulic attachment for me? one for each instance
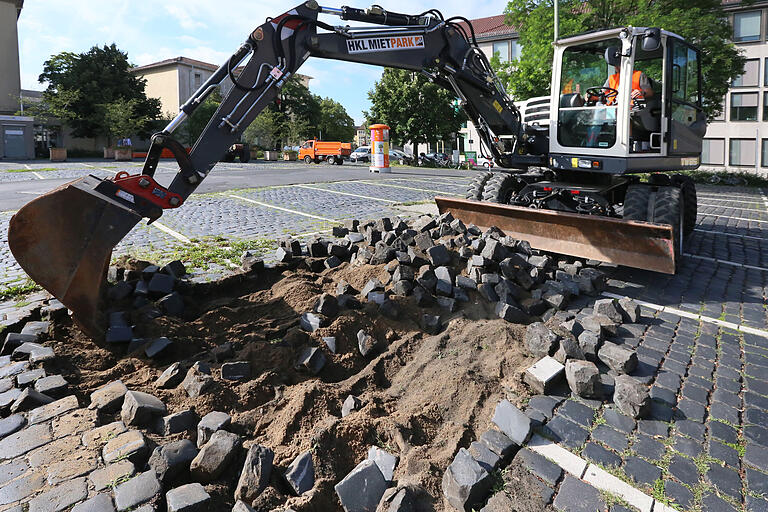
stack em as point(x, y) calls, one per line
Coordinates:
point(147, 188)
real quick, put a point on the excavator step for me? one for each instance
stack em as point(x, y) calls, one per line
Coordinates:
point(623, 242)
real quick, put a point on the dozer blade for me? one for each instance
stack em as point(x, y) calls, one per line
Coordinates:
point(623, 242)
point(64, 239)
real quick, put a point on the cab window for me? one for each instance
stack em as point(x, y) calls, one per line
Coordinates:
point(587, 120)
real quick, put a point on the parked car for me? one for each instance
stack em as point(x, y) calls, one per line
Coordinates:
point(361, 154)
point(395, 155)
point(484, 162)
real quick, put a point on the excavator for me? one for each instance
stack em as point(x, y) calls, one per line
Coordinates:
point(569, 163)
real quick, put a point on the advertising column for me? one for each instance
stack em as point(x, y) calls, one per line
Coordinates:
point(379, 148)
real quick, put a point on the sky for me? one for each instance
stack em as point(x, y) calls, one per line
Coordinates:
point(207, 30)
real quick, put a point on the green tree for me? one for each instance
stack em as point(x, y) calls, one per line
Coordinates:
point(416, 110)
point(266, 130)
point(81, 86)
point(701, 22)
point(335, 124)
point(122, 118)
point(196, 123)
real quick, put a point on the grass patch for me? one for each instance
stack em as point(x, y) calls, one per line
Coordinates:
point(414, 203)
point(19, 290)
point(41, 169)
point(205, 251)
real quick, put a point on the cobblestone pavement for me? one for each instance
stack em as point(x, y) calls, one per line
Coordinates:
point(702, 344)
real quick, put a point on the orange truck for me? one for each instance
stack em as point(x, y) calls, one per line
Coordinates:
point(317, 150)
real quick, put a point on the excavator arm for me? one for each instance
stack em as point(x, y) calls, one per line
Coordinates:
point(64, 239)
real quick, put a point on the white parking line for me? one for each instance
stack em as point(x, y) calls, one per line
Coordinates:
point(348, 194)
point(101, 168)
point(412, 188)
point(27, 166)
point(39, 176)
point(174, 234)
point(726, 262)
point(693, 316)
point(734, 207)
point(711, 198)
point(736, 235)
point(729, 217)
point(266, 205)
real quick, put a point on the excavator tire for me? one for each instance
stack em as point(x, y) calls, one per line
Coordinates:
point(669, 208)
point(500, 187)
point(688, 189)
point(475, 189)
point(636, 202)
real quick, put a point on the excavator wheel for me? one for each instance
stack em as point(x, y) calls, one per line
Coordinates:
point(665, 205)
point(636, 202)
point(669, 208)
point(500, 188)
point(690, 205)
point(475, 189)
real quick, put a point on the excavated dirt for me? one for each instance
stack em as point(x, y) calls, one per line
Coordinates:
point(424, 396)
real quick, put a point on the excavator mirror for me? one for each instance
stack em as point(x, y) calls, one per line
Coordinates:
point(651, 39)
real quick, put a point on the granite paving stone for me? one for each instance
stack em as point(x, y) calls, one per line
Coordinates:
point(540, 466)
point(566, 432)
point(648, 447)
point(679, 494)
point(600, 455)
point(684, 470)
point(723, 432)
point(640, 471)
point(757, 482)
point(610, 437)
point(577, 413)
point(725, 480)
point(619, 421)
point(577, 496)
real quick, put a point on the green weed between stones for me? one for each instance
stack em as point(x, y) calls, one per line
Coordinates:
point(19, 290)
point(611, 499)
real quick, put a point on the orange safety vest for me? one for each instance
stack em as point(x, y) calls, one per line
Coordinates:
point(613, 83)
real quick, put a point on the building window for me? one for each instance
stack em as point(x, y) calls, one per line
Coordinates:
point(742, 152)
point(517, 49)
point(746, 26)
point(501, 49)
point(198, 80)
point(764, 154)
point(744, 106)
point(751, 76)
point(713, 151)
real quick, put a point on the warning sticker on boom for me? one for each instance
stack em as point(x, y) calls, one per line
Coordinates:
point(383, 44)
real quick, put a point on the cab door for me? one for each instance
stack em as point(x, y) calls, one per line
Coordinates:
point(687, 123)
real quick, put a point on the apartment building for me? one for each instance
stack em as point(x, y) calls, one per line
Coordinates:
point(16, 132)
point(362, 136)
point(493, 38)
point(174, 80)
point(738, 139)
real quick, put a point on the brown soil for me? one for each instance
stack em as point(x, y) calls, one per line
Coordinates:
point(424, 396)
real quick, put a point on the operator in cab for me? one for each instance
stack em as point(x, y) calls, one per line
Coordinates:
point(641, 85)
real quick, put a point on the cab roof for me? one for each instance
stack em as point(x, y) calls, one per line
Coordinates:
point(597, 35)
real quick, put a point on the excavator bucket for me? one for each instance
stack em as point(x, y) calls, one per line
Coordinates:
point(64, 239)
point(623, 242)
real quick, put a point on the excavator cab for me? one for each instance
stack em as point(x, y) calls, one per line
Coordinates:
point(626, 100)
